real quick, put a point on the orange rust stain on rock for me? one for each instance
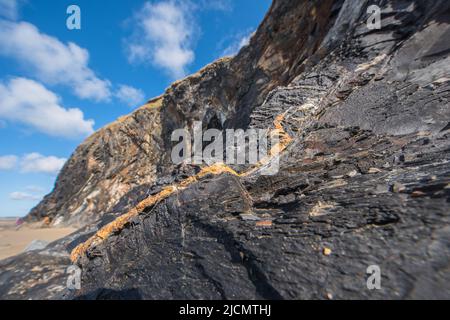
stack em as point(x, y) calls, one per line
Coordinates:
point(284, 140)
point(326, 251)
point(47, 221)
point(264, 223)
point(119, 223)
point(215, 169)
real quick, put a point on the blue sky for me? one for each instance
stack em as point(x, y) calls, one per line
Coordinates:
point(57, 85)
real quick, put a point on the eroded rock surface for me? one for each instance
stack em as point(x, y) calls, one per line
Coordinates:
point(364, 179)
point(134, 152)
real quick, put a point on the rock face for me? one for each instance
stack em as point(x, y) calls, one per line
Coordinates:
point(363, 179)
point(134, 152)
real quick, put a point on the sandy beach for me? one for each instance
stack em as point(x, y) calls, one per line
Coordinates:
point(13, 241)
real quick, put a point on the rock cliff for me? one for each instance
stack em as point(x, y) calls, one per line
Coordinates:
point(364, 175)
point(133, 153)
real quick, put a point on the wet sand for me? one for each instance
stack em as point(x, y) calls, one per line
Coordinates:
point(13, 241)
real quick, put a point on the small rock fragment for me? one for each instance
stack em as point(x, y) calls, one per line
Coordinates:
point(37, 269)
point(264, 223)
point(374, 170)
point(242, 255)
point(441, 80)
point(326, 251)
point(429, 86)
point(321, 209)
point(417, 194)
point(352, 174)
point(249, 217)
point(398, 187)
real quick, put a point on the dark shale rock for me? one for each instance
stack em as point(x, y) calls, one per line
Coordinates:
point(40, 274)
point(365, 180)
point(135, 150)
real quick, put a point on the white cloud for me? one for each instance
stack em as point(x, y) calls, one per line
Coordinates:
point(32, 193)
point(164, 36)
point(33, 163)
point(34, 189)
point(9, 9)
point(51, 60)
point(23, 196)
point(8, 162)
point(37, 163)
point(129, 95)
point(219, 5)
point(28, 102)
point(237, 44)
